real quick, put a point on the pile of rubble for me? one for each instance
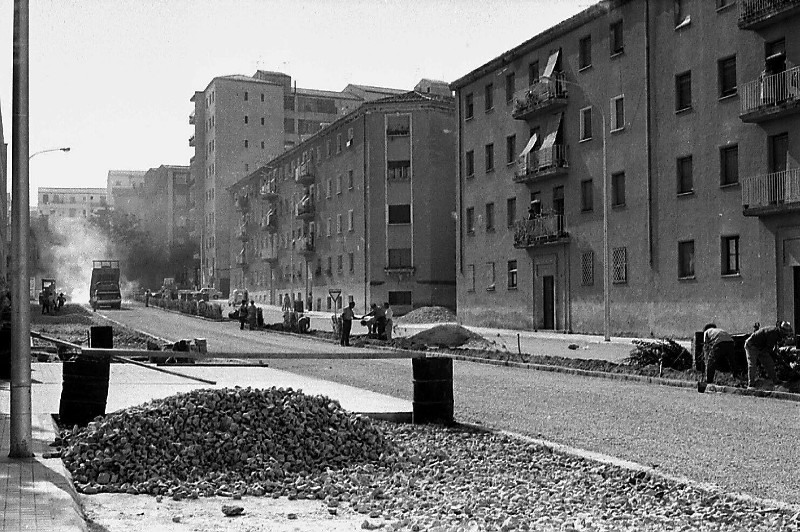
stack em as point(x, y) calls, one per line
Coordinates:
point(428, 315)
point(221, 442)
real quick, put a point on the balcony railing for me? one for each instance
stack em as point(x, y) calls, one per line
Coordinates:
point(544, 95)
point(543, 229)
point(191, 141)
point(539, 164)
point(397, 132)
point(241, 233)
point(304, 174)
point(269, 189)
point(305, 245)
point(754, 14)
point(269, 223)
point(771, 193)
point(191, 118)
point(305, 209)
point(770, 96)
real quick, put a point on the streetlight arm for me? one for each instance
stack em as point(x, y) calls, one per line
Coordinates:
point(46, 151)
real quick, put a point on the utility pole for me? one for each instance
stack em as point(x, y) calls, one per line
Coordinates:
point(20, 422)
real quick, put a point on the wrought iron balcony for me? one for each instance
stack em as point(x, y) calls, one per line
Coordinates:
point(544, 229)
point(191, 141)
point(305, 209)
point(755, 14)
point(771, 96)
point(769, 194)
point(305, 245)
point(241, 233)
point(545, 95)
point(304, 174)
point(542, 164)
point(269, 189)
point(269, 223)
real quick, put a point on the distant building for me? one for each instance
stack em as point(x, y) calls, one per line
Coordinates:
point(121, 183)
point(697, 103)
point(363, 208)
point(241, 123)
point(57, 203)
point(166, 205)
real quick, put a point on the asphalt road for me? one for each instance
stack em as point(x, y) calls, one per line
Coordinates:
point(739, 443)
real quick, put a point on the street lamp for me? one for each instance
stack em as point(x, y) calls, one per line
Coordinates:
point(606, 270)
point(47, 150)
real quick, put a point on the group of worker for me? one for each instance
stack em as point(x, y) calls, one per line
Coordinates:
point(759, 347)
point(379, 322)
point(248, 314)
point(51, 303)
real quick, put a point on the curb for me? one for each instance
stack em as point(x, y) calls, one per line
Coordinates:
point(58, 468)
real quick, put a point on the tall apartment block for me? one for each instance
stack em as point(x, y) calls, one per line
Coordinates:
point(691, 108)
point(241, 123)
point(166, 210)
point(363, 208)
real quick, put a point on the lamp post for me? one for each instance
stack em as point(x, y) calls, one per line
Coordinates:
point(34, 154)
point(606, 269)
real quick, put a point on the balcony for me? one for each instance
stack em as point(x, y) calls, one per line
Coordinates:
point(241, 233)
point(243, 203)
point(304, 174)
point(755, 14)
point(191, 141)
point(770, 97)
point(544, 96)
point(269, 190)
point(397, 269)
point(542, 164)
point(305, 209)
point(544, 229)
point(269, 255)
point(269, 223)
point(769, 194)
point(305, 245)
point(398, 131)
point(191, 118)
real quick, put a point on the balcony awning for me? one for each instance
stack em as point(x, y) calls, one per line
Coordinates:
point(551, 64)
point(546, 150)
point(529, 146)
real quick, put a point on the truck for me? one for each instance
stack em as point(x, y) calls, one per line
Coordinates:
point(104, 289)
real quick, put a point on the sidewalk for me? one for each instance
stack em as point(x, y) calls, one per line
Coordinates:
point(36, 492)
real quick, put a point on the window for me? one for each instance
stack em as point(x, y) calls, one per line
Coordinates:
point(399, 214)
point(727, 76)
point(470, 220)
point(45, 198)
point(262, 144)
point(617, 113)
point(338, 224)
point(338, 183)
point(350, 220)
point(618, 189)
point(400, 298)
point(490, 279)
point(683, 91)
point(469, 107)
point(351, 260)
point(398, 170)
point(328, 188)
point(246, 96)
point(469, 162)
point(533, 73)
point(585, 52)
point(339, 264)
point(246, 143)
point(511, 212)
point(587, 268)
point(511, 149)
point(730, 255)
point(262, 120)
point(328, 148)
point(510, 84)
point(512, 274)
point(339, 143)
point(245, 119)
point(400, 258)
point(328, 227)
point(262, 96)
point(616, 38)
point(350, 137)
point(489, 157)
point(684, 174)
point(729, 165)
point(489, 217)
point(330, 265)
point(686, 259)
point(587, 195)
point(349, 180)
point(470, 277)
point(246, 167)
point(619, 266)
point(586, 123)
point(489, 102)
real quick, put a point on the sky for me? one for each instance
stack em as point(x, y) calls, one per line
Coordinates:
point(111, 79)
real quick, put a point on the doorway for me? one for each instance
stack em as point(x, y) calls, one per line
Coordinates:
point(548, 302)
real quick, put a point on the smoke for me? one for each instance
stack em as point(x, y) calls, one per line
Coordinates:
point(73, 245)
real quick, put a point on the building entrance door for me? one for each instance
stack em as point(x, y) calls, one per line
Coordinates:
point(548, 302)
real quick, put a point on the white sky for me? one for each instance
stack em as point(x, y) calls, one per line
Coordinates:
point(112, 78)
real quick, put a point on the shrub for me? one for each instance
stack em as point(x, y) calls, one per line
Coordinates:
point(664, 352)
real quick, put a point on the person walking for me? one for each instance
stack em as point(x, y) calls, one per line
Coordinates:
point(147, 298)
point(287, 304)
point(717, 346)
point(252, 316)
point(389, 315)
point(347, 323)
point(242, 314)
point(759, 348)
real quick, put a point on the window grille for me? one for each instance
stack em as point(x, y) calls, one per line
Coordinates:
point(619, 261)
point(587, 268)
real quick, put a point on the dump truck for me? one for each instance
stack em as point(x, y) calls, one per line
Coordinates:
point(104, 288)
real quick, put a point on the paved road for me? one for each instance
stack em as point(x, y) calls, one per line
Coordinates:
point(741, 443)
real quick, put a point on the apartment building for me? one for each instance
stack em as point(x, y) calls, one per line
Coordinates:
point(360, 211)
point(5, 206)
point(166, 205)
point(241, 123)
point(122, 185)
point(60, 202)
point(662, 131)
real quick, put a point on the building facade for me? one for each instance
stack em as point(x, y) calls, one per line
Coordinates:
point(57, 203)
point(240, 123)
point(166, 200)
point(5, 206)
point(674, 118)
point(361, 211)
point(122, 184)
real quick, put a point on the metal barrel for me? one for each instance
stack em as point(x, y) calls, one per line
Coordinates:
point(84, 390)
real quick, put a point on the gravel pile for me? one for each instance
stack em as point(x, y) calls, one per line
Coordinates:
point(446, 336)
point(427, 315)
point(219, 442)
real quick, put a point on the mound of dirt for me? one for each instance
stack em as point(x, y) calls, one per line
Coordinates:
point(448, 335)
point(428, 315)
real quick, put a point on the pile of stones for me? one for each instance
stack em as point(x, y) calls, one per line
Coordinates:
point(238, 441)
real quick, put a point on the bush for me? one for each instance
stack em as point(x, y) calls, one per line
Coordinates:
point(663, 352)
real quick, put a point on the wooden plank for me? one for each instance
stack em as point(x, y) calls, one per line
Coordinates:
point(360, 354)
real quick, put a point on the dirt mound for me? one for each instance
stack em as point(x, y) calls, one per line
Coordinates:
point(448, 335)
point(428, 315)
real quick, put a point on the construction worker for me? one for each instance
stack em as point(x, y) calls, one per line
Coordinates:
point(759, 348)
point(717, 346)
point(242, 314)
point(389, 313)
point(347, 323)
point(252, 316)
